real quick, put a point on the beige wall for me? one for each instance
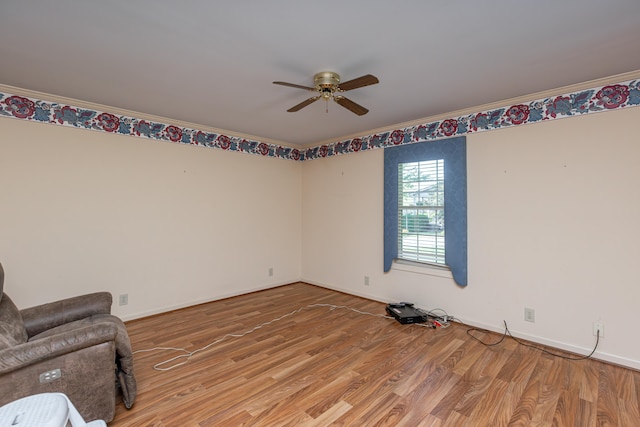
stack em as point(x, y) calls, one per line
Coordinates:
point(170, 225)
point(553, 225)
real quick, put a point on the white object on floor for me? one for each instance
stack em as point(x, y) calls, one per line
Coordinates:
point(43, 410)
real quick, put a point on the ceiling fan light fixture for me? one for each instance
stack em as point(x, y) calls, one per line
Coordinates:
point(327, 86)
point(326, 80)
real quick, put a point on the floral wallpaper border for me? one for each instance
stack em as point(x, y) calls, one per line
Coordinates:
point(598, 99)
point(24, 108)
point(602, 98)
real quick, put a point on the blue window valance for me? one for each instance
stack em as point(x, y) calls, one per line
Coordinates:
point(454, 153)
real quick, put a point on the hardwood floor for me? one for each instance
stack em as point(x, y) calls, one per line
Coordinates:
point(323, 366)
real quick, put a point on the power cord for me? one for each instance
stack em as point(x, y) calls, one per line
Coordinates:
point(444, 317)
point(436, 317)
point(161, 366)
point(508, 332)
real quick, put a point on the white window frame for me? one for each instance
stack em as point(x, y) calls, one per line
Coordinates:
point(421, 232)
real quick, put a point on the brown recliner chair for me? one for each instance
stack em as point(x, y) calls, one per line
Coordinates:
point(73, 346)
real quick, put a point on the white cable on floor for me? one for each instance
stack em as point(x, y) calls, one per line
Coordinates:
point(188, 354)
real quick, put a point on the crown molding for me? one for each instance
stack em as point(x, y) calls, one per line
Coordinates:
point(24, 104)
point(131, 113)
point(585, 98)
point(632, 75)
point(605, 94)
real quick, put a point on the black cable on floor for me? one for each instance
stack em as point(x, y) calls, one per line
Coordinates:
point(508, 332)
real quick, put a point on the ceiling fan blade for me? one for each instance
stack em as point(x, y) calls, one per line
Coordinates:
point(351, 106)
point(365, 80)
point(303, 104)
point(294, 85)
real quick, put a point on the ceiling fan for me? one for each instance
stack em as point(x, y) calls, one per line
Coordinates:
point(327, 85)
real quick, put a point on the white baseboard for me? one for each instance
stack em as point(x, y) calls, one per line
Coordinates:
point(186, 304)
point(346, 291)
point(606, 357)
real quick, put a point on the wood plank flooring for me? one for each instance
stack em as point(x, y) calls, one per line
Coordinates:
point(335, 367)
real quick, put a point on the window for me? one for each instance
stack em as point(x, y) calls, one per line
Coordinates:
point(421, 211)
point(425, 199)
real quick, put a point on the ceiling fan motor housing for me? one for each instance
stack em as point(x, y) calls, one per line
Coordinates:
point(326, 83)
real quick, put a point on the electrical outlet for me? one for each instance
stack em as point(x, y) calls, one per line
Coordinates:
point(366, 280)
point(530, 315)
point(49, 376)
point(270, 271)
point(598, 327)
point(124, 299)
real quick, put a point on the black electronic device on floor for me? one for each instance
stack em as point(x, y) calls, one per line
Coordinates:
point(405, 312)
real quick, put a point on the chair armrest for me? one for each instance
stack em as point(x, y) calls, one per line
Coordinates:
point(21, 355)
point(46, 316)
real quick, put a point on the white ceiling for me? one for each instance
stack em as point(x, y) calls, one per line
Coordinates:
point(212, 62)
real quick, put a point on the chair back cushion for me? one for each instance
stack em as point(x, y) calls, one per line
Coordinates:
point(12, 331)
